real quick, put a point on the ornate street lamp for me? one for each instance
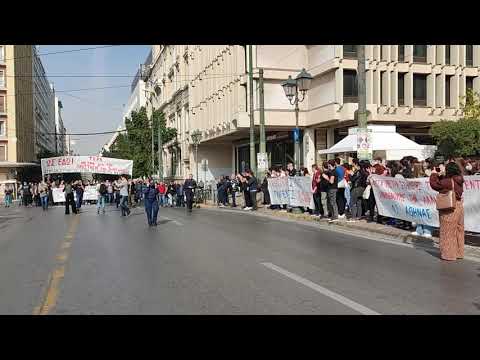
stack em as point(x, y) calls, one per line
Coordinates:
point(295, 91)
point(196, 137)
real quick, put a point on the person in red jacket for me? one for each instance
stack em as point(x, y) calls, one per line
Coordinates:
point(162, 189)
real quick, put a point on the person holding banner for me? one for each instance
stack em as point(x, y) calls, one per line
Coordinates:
point(452, 235)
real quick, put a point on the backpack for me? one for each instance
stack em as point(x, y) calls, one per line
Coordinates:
point(103, 189)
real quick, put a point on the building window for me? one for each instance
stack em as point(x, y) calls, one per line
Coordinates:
point(2, 104)
point(419, 90)
point(448, 51)
point(401, 89)
point(469, 55)
point(420, 53)
point(3, 153)
point(350, 86)
point(447, 90)
point(2, 128)
point(350, 51)
point(401, 53)
point(2, 53)
point(2, 78)
point(469, 83)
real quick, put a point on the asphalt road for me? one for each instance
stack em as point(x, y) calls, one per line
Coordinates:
point(215, 262)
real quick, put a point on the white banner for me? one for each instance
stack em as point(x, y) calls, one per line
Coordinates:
point(86, 164)
point(292, 191)
point(414, 200)
point(90, 193)
point(278, 189)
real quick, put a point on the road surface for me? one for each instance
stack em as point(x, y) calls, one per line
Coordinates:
point(215, 262)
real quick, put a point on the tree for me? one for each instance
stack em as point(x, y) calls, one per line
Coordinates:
point(135, 144)
point(462, 137)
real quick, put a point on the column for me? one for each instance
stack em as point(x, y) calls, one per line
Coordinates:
point(330, 140)
point(440, 90)
point(455, 90)
point(431, 54)
point(339, 86)
point(409, 89)
point(385, 96)
point(394, 88)
point(369, 52)
point(462, 86)
point(409, 53)
point(476, 57)
point(386, 53)
point(369, 86)
point(476, 84)
point(455, 55)
point(431, 90)
point(376, 52)
point(308, 147)
point(376, 87)
point(394, 53)
point(440, 55)
point(462, 55)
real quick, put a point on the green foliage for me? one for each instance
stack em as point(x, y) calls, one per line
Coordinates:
point(136, 143)
point(462, 137)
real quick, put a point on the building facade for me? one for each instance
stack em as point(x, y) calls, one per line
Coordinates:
point(27, 120)
point(60, 131)
point(206, 87)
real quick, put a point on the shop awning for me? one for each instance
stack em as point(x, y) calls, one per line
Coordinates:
point(8, 164)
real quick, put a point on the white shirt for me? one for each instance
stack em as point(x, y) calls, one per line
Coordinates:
point(123, 185)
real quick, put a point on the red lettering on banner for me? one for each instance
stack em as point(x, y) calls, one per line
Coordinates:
point(392, 196)
point(473, 184)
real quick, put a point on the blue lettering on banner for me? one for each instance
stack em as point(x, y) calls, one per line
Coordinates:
point(419, 213)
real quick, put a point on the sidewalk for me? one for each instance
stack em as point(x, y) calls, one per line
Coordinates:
point(364, 229)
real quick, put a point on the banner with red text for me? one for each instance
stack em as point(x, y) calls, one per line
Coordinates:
point(292, 191)
point(86, 164)
point(414, 200)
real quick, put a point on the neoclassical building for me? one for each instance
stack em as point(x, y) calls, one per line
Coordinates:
point(205, 88)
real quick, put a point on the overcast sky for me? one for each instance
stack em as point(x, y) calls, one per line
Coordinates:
point(98, 110)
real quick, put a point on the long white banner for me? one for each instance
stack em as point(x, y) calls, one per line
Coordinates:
point(90, 193)
point(86, 164)
point(292, 191)
point(414, 200)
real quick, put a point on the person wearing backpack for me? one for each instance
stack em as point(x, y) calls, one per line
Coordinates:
point(101, 194)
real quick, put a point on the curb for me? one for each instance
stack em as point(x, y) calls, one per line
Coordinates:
point(392, 234)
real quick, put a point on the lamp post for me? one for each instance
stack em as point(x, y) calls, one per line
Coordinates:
point(295, 91)
point(196, 138)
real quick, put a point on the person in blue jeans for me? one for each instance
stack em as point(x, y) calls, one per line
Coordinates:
point(101, 195)
point(123, 193)
point(151, 203)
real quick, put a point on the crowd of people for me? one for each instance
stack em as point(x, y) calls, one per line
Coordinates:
point(241, 183)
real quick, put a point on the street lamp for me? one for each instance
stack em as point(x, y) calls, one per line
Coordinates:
point(196, 138)
point(295, 91)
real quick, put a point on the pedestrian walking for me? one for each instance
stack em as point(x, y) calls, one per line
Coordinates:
point(110, 192)
point(69, 198)
point(122, 186)
point(151, 203)
point(101, 197)
point(79, 189)
point(452, 235)
point(116, 191)
point(189, 187)
point(8, 195)
point(26, 194)
point(43, 193)
point(179, 190)
point(162, 190)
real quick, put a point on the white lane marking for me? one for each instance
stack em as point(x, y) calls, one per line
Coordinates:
point(324, 291)
point(172, 220)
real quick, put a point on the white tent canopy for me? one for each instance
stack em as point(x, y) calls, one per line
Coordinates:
point(383, 138)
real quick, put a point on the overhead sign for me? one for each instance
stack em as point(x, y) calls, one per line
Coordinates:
point(86, 164)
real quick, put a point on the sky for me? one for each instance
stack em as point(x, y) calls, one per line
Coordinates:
point(97, 110)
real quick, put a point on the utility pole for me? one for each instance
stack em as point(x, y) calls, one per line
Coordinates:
point(160, 152)
point(263, 147)
point(364, 151)
point(253, 161)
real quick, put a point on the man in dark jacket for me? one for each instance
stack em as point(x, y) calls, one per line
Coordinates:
point(189, 187)
point(151, 203)
point(252, 184)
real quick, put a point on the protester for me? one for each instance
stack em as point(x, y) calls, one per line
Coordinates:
point(234, 188)
point(172, 191)
point(162, 189)
point(8, 195)
point(421, 230)
point(101, 197)
point(332, 177)
point(189, 187)
point(221, 192)
point(179, 190)
point(151, 203)
point(359, 184)
point(291, 170)
point(316, 189)
point(26, 194)
point(452, 235)
point(252, 188)
point(122, 186)
point(69, 198)
point(264, 187)
point(341, 184)
point(378, 169)
point(79, 189)
point(43, 193)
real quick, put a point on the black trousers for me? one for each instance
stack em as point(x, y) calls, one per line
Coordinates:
point(253, 200)
point(371, 207)
point(189, 196)
point(70, 201)
point(318, 203)
point(234, 203)
point(248, 200)
point(341, 201)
